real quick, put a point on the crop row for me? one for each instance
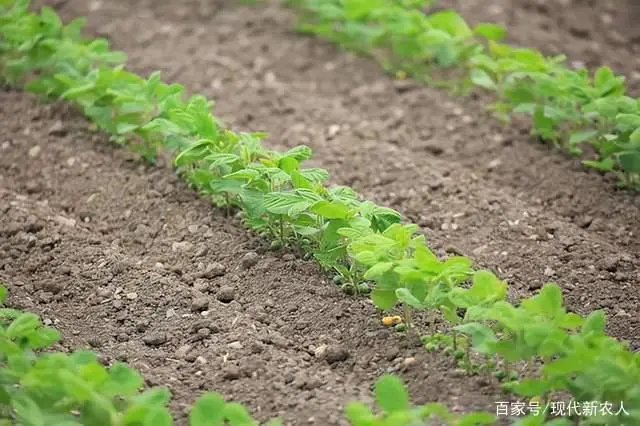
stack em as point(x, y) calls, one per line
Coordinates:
point(537, 349)
point(585, 115)
point(60, 389)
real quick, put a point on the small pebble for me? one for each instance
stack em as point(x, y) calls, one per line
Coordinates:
point(34, 151)
point(155, 339)
point(336, 354)
point(200, 304)
point(235, 345)
point(226, 294)
point(249, 259)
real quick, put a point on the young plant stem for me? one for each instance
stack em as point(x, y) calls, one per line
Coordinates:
point(408, 319)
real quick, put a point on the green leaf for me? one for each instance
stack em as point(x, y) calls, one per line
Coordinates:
point(630, 161)
point(543, 124)
point(476, 419)
point(384, 299)
point(359, 414)
point(377, 270)
point(122, 380)
point(580, 137)
point(530, 387)
point(237, 415)
point(405, 296)
point(315, 175)
point(391, 395)
point(595, 323)
point(154, 396)
point(231, 186)
point(603, 76)
point(28, 411)
point(451, 22)
point(627, 122)
point(243, 174)
point(572, 321)
point(565, 367)
point(299, 181)
point(208, 410)
point(283, 203)
point(548, 302)
point(158, 416)
point(332, 209)
point(634, 137)
point(124, 128)
point(491, 32)
point(288, 164)
point(482, 336)
point(22, 325)
point(300, 153)
point(605, 165)
point(43, 337)
point(483, 79)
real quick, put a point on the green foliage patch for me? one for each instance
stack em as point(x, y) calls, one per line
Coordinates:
point(585, 114)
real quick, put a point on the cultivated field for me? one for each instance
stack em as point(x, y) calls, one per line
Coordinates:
point(124, 259)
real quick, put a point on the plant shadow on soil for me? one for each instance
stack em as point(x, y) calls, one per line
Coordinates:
point(145, 254)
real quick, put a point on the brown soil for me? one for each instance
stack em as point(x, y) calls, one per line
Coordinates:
point(122, 258)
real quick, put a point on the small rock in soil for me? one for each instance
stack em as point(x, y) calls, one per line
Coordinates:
point(58, 129)
point(409, 361)
point(213, 270)
point(256, 347)
point(548, 272)
point(103, 293)
point(235, 345)
point(64, 221)
point(181, 246)
point(202, 285)
point(200, 304)
point(33, 187)
point(336, 353)
point(204, 332)
point(34, 151)
point(535, 285)
point(585, 222)
point(231, 373)
point(155, 339)
point(143, 325)
point(95, 342)
point(45, 297)
point(289, 257)
point(493, 164)
point(250, 259)
point(182, 351)
point(320, 351)
point(610, 263)
point(226, 294)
